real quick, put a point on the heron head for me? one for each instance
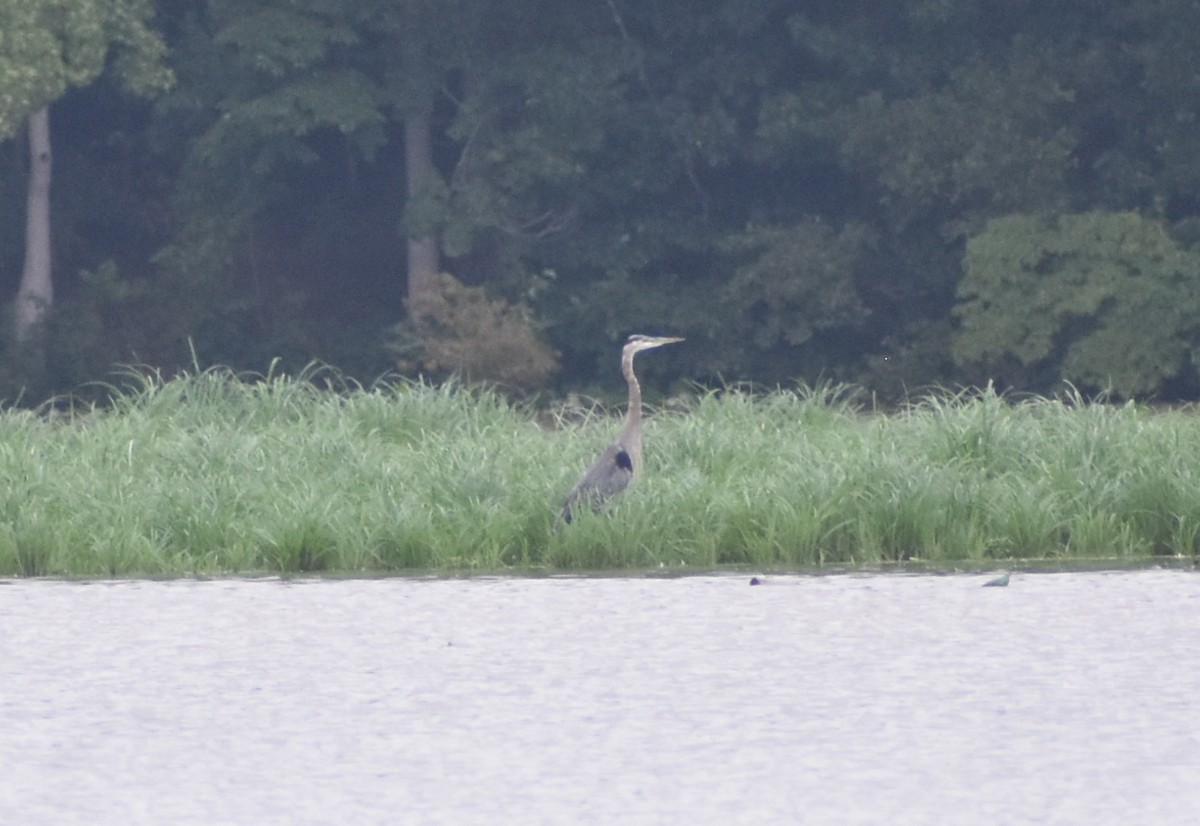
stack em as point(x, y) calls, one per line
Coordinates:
point(638, 342)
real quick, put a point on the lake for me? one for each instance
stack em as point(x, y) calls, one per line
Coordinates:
point(1069, 698)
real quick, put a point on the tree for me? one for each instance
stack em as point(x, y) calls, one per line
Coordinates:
point(793, 284)
point(47, 47)
point(791, 185)
point(1106, 300)
point(36, 292)
point(330, 121)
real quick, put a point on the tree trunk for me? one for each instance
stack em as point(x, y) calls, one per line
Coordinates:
point(36, 292)
point(423, 261)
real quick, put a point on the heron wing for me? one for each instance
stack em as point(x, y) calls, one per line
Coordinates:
point(608, 475)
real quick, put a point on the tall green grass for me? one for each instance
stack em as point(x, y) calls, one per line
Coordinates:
point(213, 473)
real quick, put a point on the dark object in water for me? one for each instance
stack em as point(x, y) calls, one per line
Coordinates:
point(755, 581)
point(998, 582)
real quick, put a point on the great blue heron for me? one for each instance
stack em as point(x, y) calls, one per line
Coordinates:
point(621, 461)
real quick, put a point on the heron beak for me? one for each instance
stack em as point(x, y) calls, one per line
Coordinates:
point(639, 343)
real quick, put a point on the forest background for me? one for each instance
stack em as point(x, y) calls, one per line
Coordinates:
point(892, 194)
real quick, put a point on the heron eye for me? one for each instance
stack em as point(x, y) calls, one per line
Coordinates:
point(623, 461)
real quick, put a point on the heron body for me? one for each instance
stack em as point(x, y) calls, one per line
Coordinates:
point(621, 461)
point(998, 582)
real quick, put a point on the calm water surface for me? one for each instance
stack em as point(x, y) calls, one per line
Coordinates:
point(1064, 698)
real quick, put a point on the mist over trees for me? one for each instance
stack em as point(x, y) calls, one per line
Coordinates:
point(896, 194)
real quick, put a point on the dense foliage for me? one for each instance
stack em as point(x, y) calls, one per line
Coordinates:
point(211, 474)
point(894, 194)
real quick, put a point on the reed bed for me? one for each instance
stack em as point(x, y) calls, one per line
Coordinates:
point(211, 473)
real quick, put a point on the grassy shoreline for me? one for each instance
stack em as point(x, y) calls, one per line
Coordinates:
point(212, 475)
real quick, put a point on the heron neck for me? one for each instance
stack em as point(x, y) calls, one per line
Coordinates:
point(631, 434)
